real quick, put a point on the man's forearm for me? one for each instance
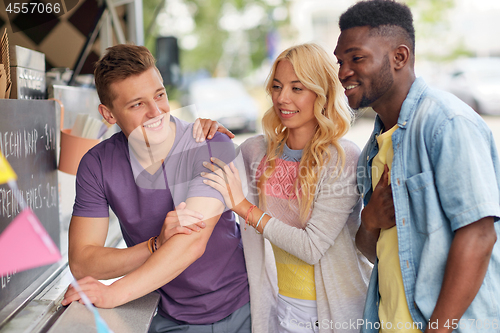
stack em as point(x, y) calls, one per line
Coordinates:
point(88, 256)
point(104, 263)
point(466, 267)
point(171, 259)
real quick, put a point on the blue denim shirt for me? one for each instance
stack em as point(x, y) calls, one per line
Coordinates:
point(445, 175)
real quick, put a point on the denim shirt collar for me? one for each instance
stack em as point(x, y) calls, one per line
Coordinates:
point(410, 103)
point(407, 109)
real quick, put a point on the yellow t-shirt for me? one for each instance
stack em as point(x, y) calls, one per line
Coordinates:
point(393, 310)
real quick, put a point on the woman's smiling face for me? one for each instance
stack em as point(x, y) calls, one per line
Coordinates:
point(292, 101)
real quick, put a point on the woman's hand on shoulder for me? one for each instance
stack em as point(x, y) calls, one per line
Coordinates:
point(225, 178)
point(206, 129)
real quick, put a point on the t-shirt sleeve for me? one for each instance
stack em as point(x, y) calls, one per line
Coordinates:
point(464, 172)
point(221, 147)
point(90, 199)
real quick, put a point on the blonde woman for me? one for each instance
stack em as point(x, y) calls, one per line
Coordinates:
point(304, 270)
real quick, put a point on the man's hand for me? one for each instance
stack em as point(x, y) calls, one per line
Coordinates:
point(379, 212)
point(99, 294)
point(206, 128)
point(180, 221)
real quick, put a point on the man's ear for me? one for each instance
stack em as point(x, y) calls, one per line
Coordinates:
point(401, 56)
point(106, 114)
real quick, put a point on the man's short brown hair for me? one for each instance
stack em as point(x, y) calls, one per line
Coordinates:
point(118, 63)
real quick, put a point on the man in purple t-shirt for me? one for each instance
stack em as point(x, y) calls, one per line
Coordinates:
point(143, 173)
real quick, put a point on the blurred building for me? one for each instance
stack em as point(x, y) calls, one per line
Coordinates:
point(477, 23)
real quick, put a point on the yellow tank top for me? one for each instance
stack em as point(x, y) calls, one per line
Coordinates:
point(295, 277)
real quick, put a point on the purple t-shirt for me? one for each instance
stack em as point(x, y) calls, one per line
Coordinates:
point(213, 286)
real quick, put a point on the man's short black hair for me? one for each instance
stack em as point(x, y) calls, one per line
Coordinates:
point(384, 16)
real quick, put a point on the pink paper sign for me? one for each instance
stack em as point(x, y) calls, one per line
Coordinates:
point(25, 244)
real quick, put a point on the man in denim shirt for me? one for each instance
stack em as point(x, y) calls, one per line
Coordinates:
point(437, 199)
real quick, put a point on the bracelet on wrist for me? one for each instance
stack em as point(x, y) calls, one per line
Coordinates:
point(258, 222)
point(150, 245)
point(249, 211)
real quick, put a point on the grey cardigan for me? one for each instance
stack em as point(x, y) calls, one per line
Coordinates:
point(341, 272)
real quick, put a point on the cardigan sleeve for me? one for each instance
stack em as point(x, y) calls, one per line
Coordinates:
point(335, 202)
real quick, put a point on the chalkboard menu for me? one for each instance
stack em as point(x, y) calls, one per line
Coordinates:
point(28, 141)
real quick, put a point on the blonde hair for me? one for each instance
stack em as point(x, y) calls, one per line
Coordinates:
point(317, 71)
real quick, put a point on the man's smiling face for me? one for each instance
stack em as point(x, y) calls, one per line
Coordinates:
point(141, 104)
point(364, 66)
